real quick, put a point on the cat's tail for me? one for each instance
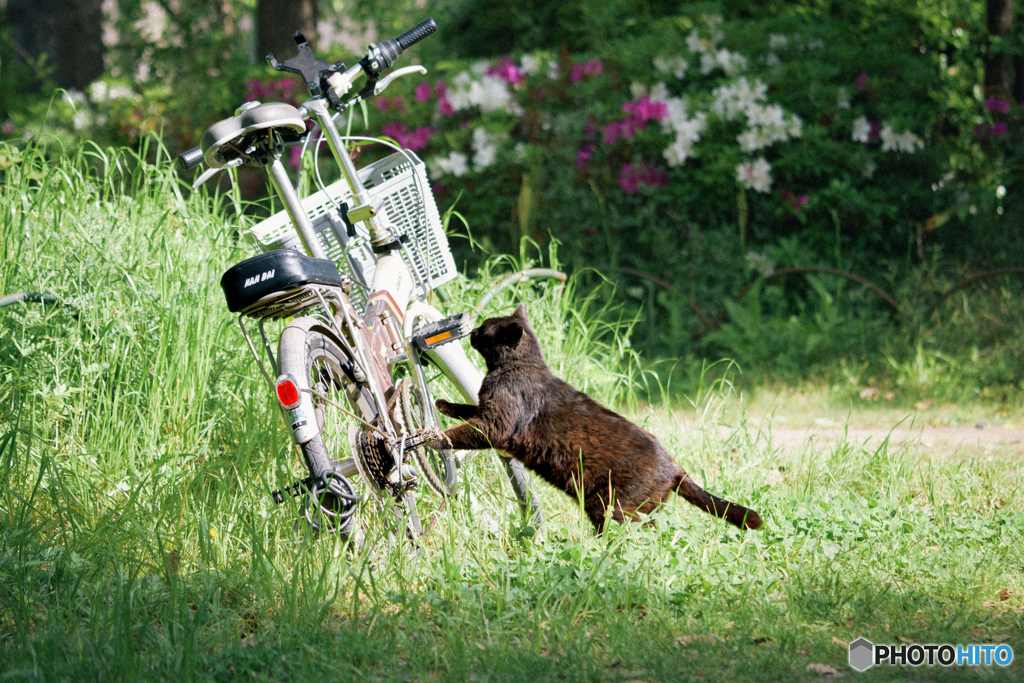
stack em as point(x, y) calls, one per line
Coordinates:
point(744, 518)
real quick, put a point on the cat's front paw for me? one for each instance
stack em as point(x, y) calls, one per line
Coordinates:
point(444, 407)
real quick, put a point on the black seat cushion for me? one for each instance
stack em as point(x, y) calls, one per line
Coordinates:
point(247, 282)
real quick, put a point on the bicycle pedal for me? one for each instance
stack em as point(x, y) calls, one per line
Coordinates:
point(443, 331)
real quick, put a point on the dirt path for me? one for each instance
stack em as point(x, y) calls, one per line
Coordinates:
point(962, 442)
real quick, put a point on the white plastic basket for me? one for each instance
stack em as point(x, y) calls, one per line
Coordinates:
point(398, 186)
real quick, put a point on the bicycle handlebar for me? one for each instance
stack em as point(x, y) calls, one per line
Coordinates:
point(190, 158)
point(391, 49)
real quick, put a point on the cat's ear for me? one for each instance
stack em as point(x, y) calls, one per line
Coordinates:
point(510, 334)
point(521, 312)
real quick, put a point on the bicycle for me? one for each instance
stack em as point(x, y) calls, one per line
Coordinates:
point(352, 266)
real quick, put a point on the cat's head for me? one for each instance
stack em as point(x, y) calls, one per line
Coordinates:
point(500, 340)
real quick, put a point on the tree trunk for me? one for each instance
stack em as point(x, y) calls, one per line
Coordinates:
point(277, 20)
point(68, 32)
point(999, 66)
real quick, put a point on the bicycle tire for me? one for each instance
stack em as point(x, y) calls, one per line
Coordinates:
point(438, 468)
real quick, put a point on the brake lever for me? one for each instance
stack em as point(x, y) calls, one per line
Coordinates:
point(397, 73)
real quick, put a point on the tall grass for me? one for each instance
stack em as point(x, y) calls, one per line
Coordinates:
point(138, 540)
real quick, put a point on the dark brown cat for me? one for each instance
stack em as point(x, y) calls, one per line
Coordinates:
point(568, 438)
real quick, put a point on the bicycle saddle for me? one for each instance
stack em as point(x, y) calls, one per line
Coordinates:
point(226, 140)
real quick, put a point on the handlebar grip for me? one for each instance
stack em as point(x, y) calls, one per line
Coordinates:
point(389, 50)
point(416, 34)
point(190, 158)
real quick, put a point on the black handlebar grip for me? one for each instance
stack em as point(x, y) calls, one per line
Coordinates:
point(416, 34)
point(190, 158)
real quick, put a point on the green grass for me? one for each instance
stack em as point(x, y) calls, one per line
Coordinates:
point(138, 539)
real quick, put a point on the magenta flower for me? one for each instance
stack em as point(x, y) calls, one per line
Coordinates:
point(444, 107)
point(577, 73)
point(862, 81)
point(997, 105)
point(595, 67)
point(383, 103)
point(633, 176)
point(583, 154)
point(414, 140)
point(8, 127)
point(611, 133)
point(441, 88)
point(422, 92)
point(873, 135)
point(590, 127)
point(295, 156)
point(796, 202)
point(644, 110)
point(998, 129)
point(506, 70)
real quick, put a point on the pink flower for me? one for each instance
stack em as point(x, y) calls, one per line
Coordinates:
point(997, 105)
point(595, 67)
point(577, 73)
point(441, 88)
point(611, 132)
point(998, 129)
point(414, 140)
point(444, 107)
point(644, 110)
point(873, 135)
point(862, 81)
point(590, 127)
point(796, 202)
point(422, 92)
point(506, 70)
point(8, 127)
point(583, 154)
point(295, 156)
point(397, 104)
point(633, 176)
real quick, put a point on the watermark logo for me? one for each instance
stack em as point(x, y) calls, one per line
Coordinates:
point(864, 654)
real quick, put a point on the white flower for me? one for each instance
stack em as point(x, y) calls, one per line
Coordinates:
point(843, 98)
point(490, 93)
point(519, 152)
point(480, 67)
point(637, 90)
point(456, 164)
point(659, 92)
point(554, 70)
point(687, 131)
point(734, 99)
point(816, 44)
point(707, 63)
point(869, 170)
point(674, 65)
point(529, 65)
point(98, 91)
point(861, 129)
point(731, 62)
point(903, 142)
point(772, 59)
point(694, 42)
point(486, 149)
point(755, 176)
point(777, 40)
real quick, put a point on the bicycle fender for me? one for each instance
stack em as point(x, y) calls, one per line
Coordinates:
point(292, 357)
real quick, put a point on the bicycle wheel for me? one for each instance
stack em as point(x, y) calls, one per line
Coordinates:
point(437, 467)
point(343, 409)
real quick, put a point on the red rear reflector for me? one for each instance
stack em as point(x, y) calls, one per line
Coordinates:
point(288, 393)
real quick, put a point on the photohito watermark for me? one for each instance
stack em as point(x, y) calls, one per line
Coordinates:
point(864, 654)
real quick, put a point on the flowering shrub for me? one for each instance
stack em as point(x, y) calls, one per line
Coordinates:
point(681, 157)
